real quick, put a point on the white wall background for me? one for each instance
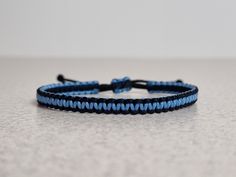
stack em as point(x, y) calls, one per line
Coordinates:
point(121, 28)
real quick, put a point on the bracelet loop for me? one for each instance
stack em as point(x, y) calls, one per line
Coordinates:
point(70, 95)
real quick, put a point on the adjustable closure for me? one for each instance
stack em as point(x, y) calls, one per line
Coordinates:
point(121, 85)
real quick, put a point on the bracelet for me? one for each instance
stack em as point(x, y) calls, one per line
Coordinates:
point(70, 95)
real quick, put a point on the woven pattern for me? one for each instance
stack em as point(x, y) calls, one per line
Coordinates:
point(70, 96)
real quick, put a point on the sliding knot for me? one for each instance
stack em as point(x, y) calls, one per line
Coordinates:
point(121, 85)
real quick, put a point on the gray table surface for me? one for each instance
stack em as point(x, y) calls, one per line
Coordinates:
point(197, 141)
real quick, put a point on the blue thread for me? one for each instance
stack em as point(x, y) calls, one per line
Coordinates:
point(95, 105)
point(122, 106)
point(100, 106)
point(114, 107)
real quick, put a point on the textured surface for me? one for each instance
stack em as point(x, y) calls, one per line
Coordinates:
point(196, 141)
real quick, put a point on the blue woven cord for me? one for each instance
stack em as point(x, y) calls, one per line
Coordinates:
point(71, 96)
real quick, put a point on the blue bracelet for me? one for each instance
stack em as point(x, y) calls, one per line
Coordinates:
point(70, 96)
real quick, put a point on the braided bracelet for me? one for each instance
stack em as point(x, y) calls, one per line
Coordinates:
point(70, 95)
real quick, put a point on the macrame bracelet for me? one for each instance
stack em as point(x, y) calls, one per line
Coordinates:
point(70, 96)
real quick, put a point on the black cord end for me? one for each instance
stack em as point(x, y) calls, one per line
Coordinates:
point(61, 78)
point(179, 80)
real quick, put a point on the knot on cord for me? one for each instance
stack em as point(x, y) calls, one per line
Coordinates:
point(62, 79)
point(121, 85)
